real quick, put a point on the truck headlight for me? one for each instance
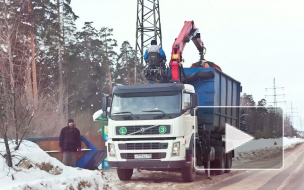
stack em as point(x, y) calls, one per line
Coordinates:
point(111, 150)
point(175, 149)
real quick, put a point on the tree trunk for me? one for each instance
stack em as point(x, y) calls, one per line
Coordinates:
point(128, 69)
point(12, 82)
point(110, 81)
point(60, 62)
point(35, 86)
point(4, 87)
point(3, 129)
point(8, 151)
point(64, 66)
point(28, 82)
point(109, 70)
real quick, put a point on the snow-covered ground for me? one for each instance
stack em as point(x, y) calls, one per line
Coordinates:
point(261, 148)
point(143, 179)
point(35, 169)
point(269, 143)
point(291, 142)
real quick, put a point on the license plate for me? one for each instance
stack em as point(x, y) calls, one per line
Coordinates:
point(142, 156)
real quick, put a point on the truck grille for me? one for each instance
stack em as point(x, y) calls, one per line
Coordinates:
point(154, 155)
point(142, 146)
point(143, 130)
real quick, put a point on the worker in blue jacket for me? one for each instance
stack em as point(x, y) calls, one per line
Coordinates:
point(154, 48)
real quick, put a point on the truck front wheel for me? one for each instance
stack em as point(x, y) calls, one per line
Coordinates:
point(189, 173)
point(124, 174)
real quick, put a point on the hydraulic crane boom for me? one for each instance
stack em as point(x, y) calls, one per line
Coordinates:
point(160, 74)
point(188, 32)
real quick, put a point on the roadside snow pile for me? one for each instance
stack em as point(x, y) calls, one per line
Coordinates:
point(35, 169)
point(264, 147)
point(289, 143)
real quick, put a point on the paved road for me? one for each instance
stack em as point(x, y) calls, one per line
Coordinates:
point(291, 177)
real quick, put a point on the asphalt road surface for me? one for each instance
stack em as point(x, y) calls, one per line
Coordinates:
point(290, 177)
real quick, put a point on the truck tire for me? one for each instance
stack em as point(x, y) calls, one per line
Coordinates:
point(124, 174)
point(189, 173)
point(220, 164)
point(228, 162)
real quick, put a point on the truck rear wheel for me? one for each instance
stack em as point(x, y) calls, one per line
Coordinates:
point(124, 174)
point(189, 173)
point(228, 162)
point(220, 164)
point(211, 167)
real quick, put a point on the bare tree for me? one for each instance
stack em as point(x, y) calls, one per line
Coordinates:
point(8, 96)
point(60, 60)
point(35, 85)
point(14, 60)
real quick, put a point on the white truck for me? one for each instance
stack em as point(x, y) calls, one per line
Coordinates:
point(158, 126)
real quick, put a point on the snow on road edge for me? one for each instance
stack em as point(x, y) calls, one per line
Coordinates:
point(264, 147)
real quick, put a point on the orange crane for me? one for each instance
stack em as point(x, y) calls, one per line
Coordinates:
point(188, 32)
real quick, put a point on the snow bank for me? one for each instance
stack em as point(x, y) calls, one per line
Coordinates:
point(269, 143)
point(291, 142)
point(264, 147)
point(35, 169)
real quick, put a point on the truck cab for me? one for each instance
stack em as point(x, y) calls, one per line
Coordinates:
point(151, 127)
point(173, 126)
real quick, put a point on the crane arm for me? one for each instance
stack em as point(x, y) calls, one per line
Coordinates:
point(188, 32)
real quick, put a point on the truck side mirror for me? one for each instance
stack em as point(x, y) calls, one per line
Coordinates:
point(104, 103)
point(193, 111)
point(104, 115)
point(104, 106)
point(194, 100)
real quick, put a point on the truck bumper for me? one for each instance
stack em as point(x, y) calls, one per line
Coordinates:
point(151, 164)
point(161, 158)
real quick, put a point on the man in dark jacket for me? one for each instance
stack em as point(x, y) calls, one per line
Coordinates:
point(70, 143)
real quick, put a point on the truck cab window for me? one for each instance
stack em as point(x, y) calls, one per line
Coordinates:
point(186, 99)
point(139, 103)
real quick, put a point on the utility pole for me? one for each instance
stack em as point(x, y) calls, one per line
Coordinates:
point(148, 27)
point(275, 95)
point(292, 114)
point(301, 127)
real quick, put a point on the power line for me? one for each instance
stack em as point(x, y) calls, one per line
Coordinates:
point(292, 113)
point(301, 126)
point(275, 95)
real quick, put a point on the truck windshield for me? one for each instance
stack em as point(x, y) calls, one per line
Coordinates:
point(164, 103)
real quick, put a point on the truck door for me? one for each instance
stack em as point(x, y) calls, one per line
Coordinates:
point(187, 118)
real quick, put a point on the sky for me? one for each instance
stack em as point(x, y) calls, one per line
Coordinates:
point(252, 41)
